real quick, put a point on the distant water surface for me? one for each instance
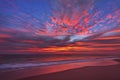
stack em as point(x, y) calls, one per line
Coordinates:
point(8, 62)
point(30, 65)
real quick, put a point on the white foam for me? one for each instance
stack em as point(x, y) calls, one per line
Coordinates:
point(26, 65)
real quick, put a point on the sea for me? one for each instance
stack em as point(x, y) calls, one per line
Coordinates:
point(16, 66)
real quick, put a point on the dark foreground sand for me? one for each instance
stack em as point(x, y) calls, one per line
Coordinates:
point(86, 73)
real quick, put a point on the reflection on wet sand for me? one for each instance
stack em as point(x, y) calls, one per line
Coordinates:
point(51, 69)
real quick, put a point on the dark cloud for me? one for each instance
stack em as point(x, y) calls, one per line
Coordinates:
point(74, 26)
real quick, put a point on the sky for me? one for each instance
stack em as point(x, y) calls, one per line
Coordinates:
point(60, 26)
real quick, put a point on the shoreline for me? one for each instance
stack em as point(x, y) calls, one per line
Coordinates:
point(111, 72)
point(39, 72)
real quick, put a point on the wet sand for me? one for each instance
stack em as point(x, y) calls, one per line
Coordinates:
point(86, 73)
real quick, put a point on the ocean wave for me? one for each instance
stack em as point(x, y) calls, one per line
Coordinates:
point(26, 65)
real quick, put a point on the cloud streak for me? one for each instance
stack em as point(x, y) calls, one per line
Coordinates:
point(79, 27)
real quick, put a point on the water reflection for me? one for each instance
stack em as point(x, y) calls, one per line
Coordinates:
point(17, 74)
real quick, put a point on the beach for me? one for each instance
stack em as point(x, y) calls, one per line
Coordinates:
point(111, 72)
point(59, 39)
point(60, 67)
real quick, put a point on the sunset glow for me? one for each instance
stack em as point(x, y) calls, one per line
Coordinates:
point(62, 27)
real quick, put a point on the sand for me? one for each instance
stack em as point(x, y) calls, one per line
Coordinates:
point(87, 73)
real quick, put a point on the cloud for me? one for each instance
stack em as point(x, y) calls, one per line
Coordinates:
point(74, 38)
point(73, 26)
